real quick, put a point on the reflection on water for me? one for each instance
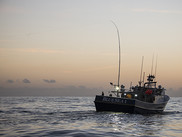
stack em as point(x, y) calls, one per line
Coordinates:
point(76, 116)
point(132, 124)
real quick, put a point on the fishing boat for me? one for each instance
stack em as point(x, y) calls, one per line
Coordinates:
point(144, 98)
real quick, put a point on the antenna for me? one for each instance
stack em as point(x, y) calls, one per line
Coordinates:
point(152, 63)
point(119, 52)
point(130, 86)
point(140, 82)
point(143, 78)
point(156, 66)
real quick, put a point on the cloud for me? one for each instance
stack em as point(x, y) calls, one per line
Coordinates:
point(157, 11)
point(10, 81)
point(30, 50)
point(41, 50)
point(26, 81)
point(62, 91)
point(49, 81)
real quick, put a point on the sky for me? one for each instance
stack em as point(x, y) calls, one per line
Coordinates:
point(70, 47)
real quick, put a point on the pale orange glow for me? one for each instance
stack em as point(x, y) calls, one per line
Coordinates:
point(78, 46)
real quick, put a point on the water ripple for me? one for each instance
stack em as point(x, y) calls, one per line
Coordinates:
point(76, 116)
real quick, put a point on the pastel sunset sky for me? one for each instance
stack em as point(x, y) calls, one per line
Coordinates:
point(72, 43)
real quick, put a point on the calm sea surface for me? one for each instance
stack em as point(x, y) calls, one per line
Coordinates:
point(76, 117)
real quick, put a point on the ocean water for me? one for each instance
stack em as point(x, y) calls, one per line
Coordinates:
point(76, 117)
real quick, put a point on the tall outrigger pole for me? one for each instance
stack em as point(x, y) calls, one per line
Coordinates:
point(119, 52)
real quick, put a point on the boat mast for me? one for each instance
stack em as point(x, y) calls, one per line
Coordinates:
point(152, 63)
point(140, 82)
point(156, 66)
point(119, 52)
point(143, 78)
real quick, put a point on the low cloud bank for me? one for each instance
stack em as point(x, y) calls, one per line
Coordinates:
point(23, 81)
point(10, 81)
point(49, 81)
point(64, 91)
point(174, 92)
point(26, 81)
